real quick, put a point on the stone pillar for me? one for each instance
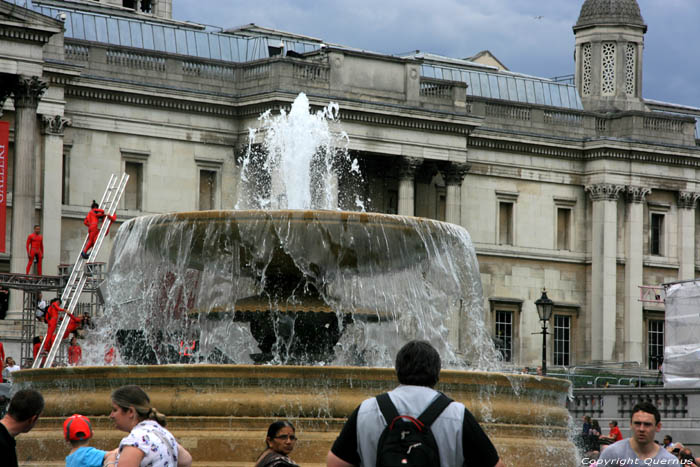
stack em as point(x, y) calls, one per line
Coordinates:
point(686, 234)
point(453, 174)
point(634, 267)
point(51, 191)
point(407, 180)
point(603, 271)
point(26, 93)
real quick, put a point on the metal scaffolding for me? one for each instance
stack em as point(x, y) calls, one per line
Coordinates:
point(31, 285)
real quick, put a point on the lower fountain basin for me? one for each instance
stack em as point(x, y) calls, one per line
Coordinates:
point(220, 412)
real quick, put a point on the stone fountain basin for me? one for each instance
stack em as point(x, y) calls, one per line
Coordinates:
point(361, 243)
point(220, 412)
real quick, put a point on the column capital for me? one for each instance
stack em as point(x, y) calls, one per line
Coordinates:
point(454, 172)
point(55, 125)
point(408, 167)
point(604, 191)
point(636, 194)
point(687, 199)
point(28, 91)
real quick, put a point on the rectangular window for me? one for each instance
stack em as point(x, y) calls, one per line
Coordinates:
point(64, 181)
point(656, 234)
point(504, 334)
point(562, 340)
point(655, 343)
point(393, 202)
point(563, 228)
point(207, 190)
point(129, 4)
point(505, 223)
point(132, 193)
point(441, 207)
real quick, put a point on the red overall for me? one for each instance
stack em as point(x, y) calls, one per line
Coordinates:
point(75, 354)
point(52, 319)
point(35, 247)
point(92, 221)
point(2, 355)
point(73, 325)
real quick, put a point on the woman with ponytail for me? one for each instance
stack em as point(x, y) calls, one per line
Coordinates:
point(148, 442)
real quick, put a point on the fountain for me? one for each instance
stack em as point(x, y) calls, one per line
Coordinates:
point(323, 297)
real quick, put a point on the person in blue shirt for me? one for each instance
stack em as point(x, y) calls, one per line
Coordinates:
point(77, 430)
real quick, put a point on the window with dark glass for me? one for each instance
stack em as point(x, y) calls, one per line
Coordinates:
point(504, 334)
point(562, 340)
point(656, 234)
point(655, 343)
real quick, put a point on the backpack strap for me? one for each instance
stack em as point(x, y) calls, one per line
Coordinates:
point(434, 409)
point(387, 407)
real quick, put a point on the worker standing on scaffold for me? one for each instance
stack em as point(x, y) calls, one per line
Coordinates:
point(35, 249)
point(52, 315)
point(92, 221)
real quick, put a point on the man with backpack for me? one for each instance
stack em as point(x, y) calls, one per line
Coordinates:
point(413, 425)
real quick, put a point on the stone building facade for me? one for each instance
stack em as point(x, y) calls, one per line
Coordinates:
point(587, 190)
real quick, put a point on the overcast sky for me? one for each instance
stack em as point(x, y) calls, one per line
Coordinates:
point(528, 36)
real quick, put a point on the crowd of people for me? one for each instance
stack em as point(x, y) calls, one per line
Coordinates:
point(411, 425)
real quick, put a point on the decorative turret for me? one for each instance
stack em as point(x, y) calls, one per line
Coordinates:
point(609, 44)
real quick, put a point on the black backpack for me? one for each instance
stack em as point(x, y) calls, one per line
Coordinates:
point(407, 441)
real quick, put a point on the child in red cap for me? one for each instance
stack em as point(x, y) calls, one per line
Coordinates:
point(78, 431)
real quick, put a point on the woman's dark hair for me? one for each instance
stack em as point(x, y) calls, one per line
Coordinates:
point(94, 204)
point(36, 340)
point(57, 299)
point(275, 427)
point(418, 364)
point(134, 396)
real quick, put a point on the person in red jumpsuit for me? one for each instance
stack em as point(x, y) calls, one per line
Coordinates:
point(35, 349)
point(52, 319)
point(35, 249)
point(2, 362)
point(75, 352)
point(92, 221)
point(75, 324)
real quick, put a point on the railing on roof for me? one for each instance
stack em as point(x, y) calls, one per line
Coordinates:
point(148, 35)
point(509, 87)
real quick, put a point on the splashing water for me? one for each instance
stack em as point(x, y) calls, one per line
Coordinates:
point(294, 285)
point(299, 161)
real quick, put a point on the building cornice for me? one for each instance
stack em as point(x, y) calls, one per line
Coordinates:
point(603, 150)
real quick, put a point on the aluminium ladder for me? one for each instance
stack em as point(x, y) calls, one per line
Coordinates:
point(76, 281)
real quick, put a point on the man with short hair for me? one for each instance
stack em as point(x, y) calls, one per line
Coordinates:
point(614, 435)
point(457, 434)
point(640, 449)
point(24, 410)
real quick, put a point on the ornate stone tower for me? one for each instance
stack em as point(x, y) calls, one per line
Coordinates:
point(609, 44)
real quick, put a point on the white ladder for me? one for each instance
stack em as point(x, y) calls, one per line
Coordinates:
point(76, 281)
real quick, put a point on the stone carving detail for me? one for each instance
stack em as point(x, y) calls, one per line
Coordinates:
point(636, 194)
point(604, 191)
point(28, 91)
point(586, 88)
point(454, 172)
point(55, 125)
point(607, 57)
point(630, 64)
point(408, 167)
point(687, 199)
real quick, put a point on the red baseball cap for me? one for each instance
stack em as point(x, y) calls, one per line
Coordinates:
point(77, 428)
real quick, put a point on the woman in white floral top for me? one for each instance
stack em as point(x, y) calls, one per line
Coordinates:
point(148, 444)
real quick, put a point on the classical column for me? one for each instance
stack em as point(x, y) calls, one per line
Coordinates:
point(634, 267)
point(603, 271)
point(51, 191)
point(26, 93)
point(453, 173)
point(407, 179)
point(686, 234)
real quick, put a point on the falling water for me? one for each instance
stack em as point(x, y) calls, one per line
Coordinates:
point(286, 285)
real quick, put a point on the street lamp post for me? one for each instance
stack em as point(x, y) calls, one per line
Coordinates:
point(544, 309)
